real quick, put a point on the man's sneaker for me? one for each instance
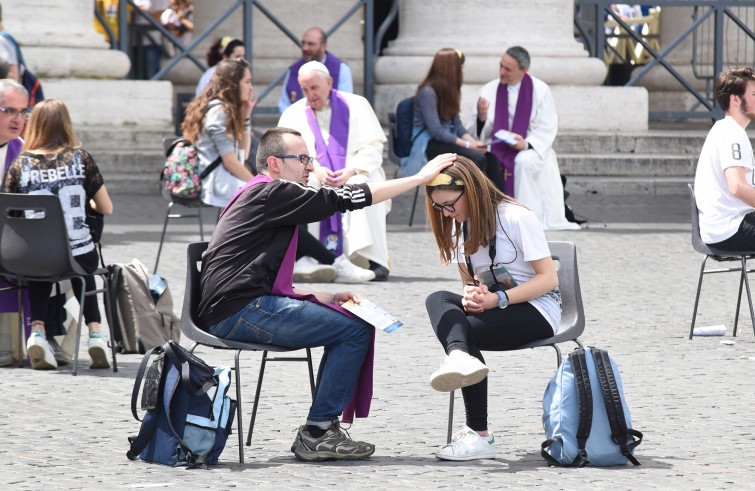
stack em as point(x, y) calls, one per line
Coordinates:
point(308, 270)
point(97, 350)
point(349, 272)
point(61, 356)
point(39, 352)
point(335, 444)
point(458, 370)
point(468, 445)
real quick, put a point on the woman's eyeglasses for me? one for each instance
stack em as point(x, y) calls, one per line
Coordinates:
point(450, 206)
point(304, 159)
point(12, 113)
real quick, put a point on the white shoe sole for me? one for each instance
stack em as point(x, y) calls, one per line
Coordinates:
point(99, 357)
point(448, 381)
point(320, 275)
point(460, 458)
point(352, 279)
point(37, 356)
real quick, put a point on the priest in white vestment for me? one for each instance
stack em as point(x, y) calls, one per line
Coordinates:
point(522, 106)
point(343, 132)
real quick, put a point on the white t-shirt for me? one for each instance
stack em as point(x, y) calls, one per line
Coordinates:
point(721, 213)
point(518, 230)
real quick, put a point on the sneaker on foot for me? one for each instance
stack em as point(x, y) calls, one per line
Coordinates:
point(308, 270)
point(97, 350)
point(334, 444)
point(468, 445)
point(39, 352)
point(458, 370)
point(61, 356)
point(348, 272)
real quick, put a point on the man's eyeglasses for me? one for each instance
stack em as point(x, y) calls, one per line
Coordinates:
point(12, 113)
point(304, 159)
point(450, 206)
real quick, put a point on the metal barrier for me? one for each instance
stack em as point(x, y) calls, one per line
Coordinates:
point(247, 7)
point(711, 18)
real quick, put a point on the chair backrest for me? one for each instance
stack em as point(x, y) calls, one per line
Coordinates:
point(392, 139)
point(572, 310)
point(697, 241)
point(34, 239)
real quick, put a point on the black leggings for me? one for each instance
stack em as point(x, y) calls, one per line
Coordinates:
point(308, 245)
point(492, 330)
point(487, 162)
point(39, 291)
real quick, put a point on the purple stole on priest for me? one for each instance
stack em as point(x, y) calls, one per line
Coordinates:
point(332, 155)
point(292, 86)
point(14, 148)
point(361, 398)
point(521, 124)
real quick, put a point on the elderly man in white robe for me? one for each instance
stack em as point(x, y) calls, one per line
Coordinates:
point(342, 130)
point(517, 115)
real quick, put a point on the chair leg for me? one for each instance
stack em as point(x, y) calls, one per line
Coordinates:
point(109, 317)
point(749, 294)
point(450, 416)
point(697, 296)
point(162, 236)
point(78, 334)
point(311, 373)
point(558, 355)
point(21, 327)
point(256, 398)
point(201, 229)
point(238, 408)
point(739, 299)
point(414, 205)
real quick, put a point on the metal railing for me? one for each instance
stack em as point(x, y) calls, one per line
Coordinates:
point(711, 18)
point(248, 6)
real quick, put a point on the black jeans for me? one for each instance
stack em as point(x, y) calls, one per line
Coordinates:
point(492, 330)
point(743, 239)
point(487, 162)
point(308, 245)
point(39, 291)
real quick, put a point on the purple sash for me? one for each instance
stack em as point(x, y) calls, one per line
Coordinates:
point(332, 156)
point(14, 148)
point(502, 151)
point(293, 90)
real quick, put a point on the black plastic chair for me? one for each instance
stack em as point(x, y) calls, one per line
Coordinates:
point(34, 247)
point(194, 204)
point(719, 256)
point(572, 310)
point(397, 160)
point(189, 328)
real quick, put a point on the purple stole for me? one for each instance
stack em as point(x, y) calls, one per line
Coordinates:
point(14, 148)
point(332, 156)
point(283, 286)
point(521, 124)
point(293, 90)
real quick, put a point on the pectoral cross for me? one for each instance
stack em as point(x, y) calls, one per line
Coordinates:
point(506, 174)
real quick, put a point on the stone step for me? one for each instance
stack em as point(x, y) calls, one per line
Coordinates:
point(651, 143)
point(629, 165)
point(627, 186)
point(138, 161)
point(132, 183)
point(122, 138)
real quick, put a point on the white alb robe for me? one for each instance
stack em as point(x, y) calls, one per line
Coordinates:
point(537, 180)
point(364, 230)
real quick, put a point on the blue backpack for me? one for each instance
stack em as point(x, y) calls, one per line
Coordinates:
point(402, 139)
point(585, 417)
point(188, 412)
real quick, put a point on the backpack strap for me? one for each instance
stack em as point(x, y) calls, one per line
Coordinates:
point(214, 165)
point(139, 377)
point(614, 407)
point(18, 48)
point(184, 367)
point(139, 442)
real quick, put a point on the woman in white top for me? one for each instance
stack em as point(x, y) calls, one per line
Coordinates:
point(510, 293)
point(217, 122)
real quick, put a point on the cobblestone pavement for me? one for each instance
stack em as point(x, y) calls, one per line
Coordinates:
point(691, 399)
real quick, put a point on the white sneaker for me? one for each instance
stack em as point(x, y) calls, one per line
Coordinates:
point(308, 270)
point(458, 370)
point(349, 272)
point(468, 445)
point(97, 350)
point(40, 353)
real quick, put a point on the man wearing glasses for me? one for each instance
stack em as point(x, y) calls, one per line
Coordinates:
point(13, 116)
point(247, 292)
point(343, 132)
point(725, 176)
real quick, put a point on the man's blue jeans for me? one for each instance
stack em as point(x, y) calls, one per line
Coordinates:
point(295, 323)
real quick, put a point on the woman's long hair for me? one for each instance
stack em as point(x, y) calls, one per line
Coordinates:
point(482, 199)
point(445, 77)
point(222, 48)
point(50, 127)
point(224, 86)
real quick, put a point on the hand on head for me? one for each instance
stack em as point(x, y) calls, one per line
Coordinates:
point(435, 166)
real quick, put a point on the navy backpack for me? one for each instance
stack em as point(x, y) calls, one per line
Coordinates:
point(402, 138)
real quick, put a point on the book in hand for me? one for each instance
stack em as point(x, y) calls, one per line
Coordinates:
point(499, 275)
point(506, 137)
point(372, 314)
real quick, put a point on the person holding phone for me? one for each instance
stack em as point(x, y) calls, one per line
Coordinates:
point(510, 294)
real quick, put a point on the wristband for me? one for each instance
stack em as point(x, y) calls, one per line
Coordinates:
point(467, 143)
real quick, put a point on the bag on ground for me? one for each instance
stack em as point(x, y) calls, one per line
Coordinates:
point(28, 79)
point(143, 319)
point(585, 415)
point(188, 413)
point(180, 175)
